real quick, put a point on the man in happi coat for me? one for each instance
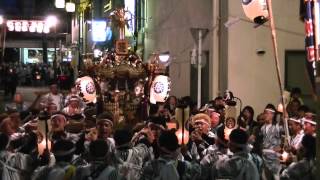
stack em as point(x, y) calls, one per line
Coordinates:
point(238, 166)
point(271, 144)
point(167, 166)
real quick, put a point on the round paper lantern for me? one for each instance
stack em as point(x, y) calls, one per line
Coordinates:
point(256, 10)
point(160, 89)
point(86, 89)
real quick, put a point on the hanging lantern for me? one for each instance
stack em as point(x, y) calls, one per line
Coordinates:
point(256, 10)
point(160, 89)
point(86, 89)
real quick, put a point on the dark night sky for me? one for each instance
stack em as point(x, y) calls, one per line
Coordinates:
point(25, 7)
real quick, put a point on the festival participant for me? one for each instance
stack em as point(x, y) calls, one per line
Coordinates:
point(293, 107)
point(238, 166)
point(53, 96)
point(201, 137)
point(58, 123)
point(171, 104)
point(309, 126)
point(130, 159)
point(63, 151)
point(271, 144)
point(297, 134)
point(156, 124)
point(18, 104)
point(98, 167)
point(303, 110)
point(245, 119)
point(105, 129)
point(25, 156)
point(73, 92)
point(305, 167)
point(73, 106)
point(167, 166)
point(6, 127)
point(214, 153)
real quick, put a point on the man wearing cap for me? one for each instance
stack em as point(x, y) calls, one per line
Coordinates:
point(297, 134)
point(238, 166)
point(167, 166)
point(201, 137)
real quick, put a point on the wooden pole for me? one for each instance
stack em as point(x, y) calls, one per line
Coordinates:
point(276, 59)
point(316, 50)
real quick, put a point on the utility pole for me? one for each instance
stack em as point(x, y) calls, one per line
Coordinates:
point(199, 34)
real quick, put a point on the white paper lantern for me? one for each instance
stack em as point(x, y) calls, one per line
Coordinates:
point(256, 10)
point(86, 89)
point(160, 89)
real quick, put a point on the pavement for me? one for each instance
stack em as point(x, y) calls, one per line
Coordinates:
point(28, 94)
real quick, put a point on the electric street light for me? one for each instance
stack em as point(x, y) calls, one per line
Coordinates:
point(164, 57)
point(52, 21)
point(1, 20)
point(70, 7)
point(59, 4)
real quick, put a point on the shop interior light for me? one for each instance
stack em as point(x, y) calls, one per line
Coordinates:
point(39, 27)
point(51, 21)
point(33, 27)
point(10, 25)
point(17, 26)
point(46, 29)
point(24, 26)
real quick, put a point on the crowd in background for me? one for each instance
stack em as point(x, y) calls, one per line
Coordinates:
point(13, 75)
point(81, 144)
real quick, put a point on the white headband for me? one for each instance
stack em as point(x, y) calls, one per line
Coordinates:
point(295, 120)
point(309, 121)
point(202, 120)
point(107, 120)
point(59, 115)
point(270, 110)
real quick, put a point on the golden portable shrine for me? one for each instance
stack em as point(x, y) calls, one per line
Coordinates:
point(126, 83)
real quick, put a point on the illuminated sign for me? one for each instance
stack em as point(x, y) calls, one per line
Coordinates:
point(99, 33)
point(25, 25)
point(107, 6)
point(130, 16)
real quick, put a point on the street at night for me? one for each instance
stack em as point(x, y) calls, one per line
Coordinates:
point(159, 89)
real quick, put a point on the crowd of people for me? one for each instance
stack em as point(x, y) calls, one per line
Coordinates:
point(64, 138)
point(13, 75)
